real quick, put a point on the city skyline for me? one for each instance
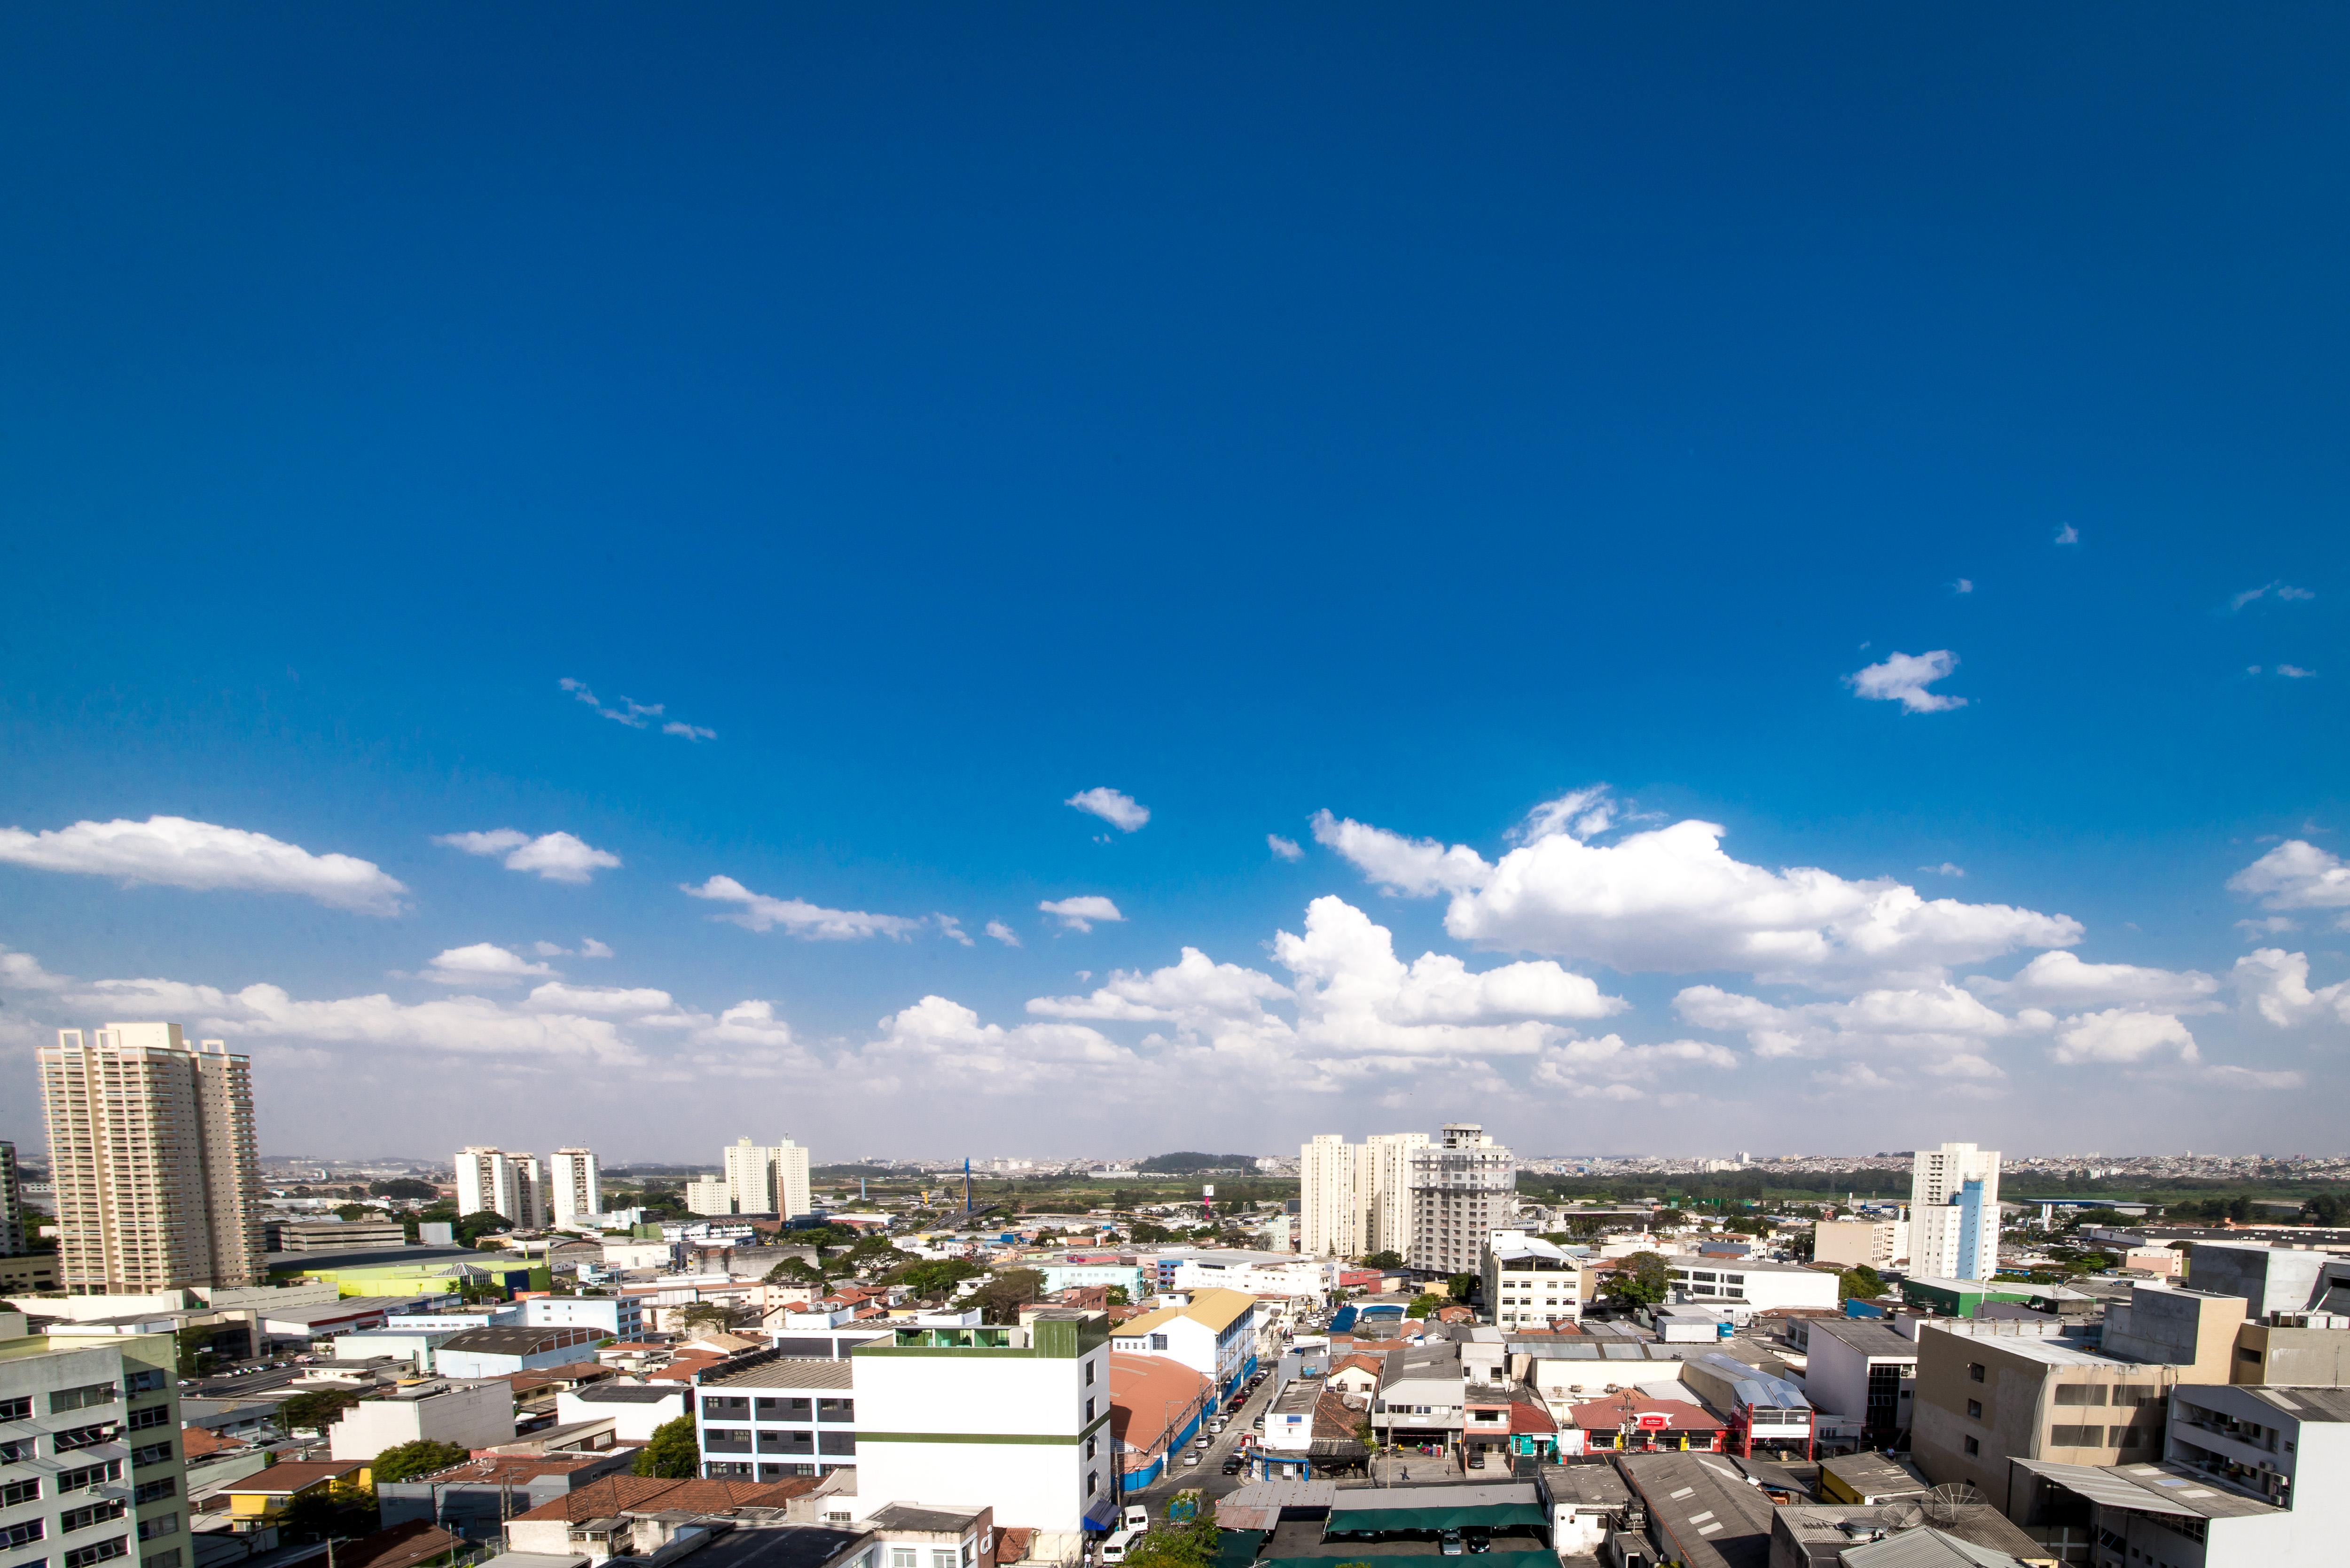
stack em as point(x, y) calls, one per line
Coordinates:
point(1583, 573)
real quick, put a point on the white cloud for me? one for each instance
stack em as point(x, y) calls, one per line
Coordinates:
point(796, 916)
point(2281, 589)
point(1113, 807)
point(555, 857)
point(175, 852)
point(1904, 677)
point(1191, 992)
point(1963, 585)
point(951, 929)
point(1947, 868)
point(1415, 867)
point(1283, 848)
point(2275, 984)
point(2295, 875)
point(2124, 1036)
point(941, 1043)
point(1002, 933)
point(601, 999)
point(1078, 914)
point(1925, 1022)
point(2068, 534)
point(1669, 899)
point(636, 715)
point(2061, 980)
point(23, 971)
point(2295, 672)
point(2269, 926)
point(1571, 1066)
point(1579, 813)
point(590, 948)
point(484, 963)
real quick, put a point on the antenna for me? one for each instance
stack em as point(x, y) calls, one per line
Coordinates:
point(1902, 1513)
point(1944, 1503)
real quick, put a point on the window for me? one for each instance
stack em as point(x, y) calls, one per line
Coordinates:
point(901, 1557)
point(166, 1525)
point(1093, 1483)
point(15, 1409)
point(80, 1398)
point(715, 1441)
point(89, 1475)
point(16, 1492)
point(795, 1442)
point(1089, 1373)
point(153, 1416)
point(156, 1490)
point(841, 1410)
point(1157, 1341)
point(725, 1408)
point(1974, 1409)
point(1089, 1410)
point(2076, 1437)
point(2080, 1394)
point(82, 1556)
point(145, 1382)
point(841, 1444)
point(75, 1519)
point(1090, 1443)
point(2246, 1353)
point(83, 1436)
point(943, 1559)
point(2135, 1394)
point(160, 1558)
point(16, 1452)
point(16, 1535)
point(1974, 1372)
point(2127, 1437)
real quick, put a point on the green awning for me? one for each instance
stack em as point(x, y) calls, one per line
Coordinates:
point(1495, 1516)
point(1237, 1548)
point(1482, 1559)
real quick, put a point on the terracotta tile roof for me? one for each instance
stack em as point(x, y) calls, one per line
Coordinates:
point(200, 1442)
point(637, 1494)
point(1606, 1415)
point(1358, 1363)
point(397, 1547)
point(515, 1468)
point(289, 1476)
point(1011, 1544)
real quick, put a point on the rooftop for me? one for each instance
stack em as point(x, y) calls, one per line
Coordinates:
point(788, 1373)
point(2159, 1488)
point(505, 1339)
point(905, 1518)
point(1708, 1514)
point(1867, 1337)
point(635, 1494)
point(289, 1475)
point(626, 1394)
point(1218, 1309)
point(2308, 1404)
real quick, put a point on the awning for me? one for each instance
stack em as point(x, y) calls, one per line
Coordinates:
point(1237, 1548)
point(1492, 1516)
point(2102, 1486)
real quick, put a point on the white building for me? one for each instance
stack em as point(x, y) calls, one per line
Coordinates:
point(1251, 1273)
point(757, 1179)
point(1013, 1418)
point(1214, 1334)
point(1464, 1190)
point(472, 1416)
point(614, 1317)
point(1853, 1243)
point(788, 1418)
point(1747, 1286)
point(1530, 1282)
point(1954, 1212)
point(1328, 1225)
point(576, 1194)
point(1383, 1191)
point(637, 1410)
point(491, 1181)
point(90, 1452)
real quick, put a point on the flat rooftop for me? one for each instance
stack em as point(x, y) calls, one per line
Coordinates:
point(788, 1373)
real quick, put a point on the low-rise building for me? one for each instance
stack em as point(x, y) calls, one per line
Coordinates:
point(476, 1498)
point(1531, 1282)
point(328, 1235)
point(1700, 1511)
point(1860, 1244)
point(914, 1535)
point(636, 1411)
point(1213, 1332)
point(1157, 1406)
point(472, 1416)
point(264, 1498)
point(1422, 1397)
point(497, 1351)
point(1750, 1285)
point(1258, 1274)
point(613, 1317)
point(777, 1419)
point(1860, 1369)
point(1986, 1398)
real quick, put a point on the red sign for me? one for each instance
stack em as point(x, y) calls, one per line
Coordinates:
point(1654, 1420)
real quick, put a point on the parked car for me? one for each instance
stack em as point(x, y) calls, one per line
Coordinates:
point(1232, 1465)
point(1136, 1517)
point(1450, 1543)
point(1205, 1441)
point(1477, 1539)
point(1192, 1457)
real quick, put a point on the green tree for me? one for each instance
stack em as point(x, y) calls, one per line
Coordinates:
point(1116, 1296)
point(1861, 1281)
point(315, 1411)
point(1462, 1286)
point(406, 1186)
point(1423, 1304)
point(1643, 1280)
point(406, 1461)
point(482, 1222)
point(671, 1452)
point(1188, 1546)
point(1384, 1260)
point(1000, 1300)
point(938, 1276)
point(794, 1271)
point(705, 1315)
point(2325, 1209)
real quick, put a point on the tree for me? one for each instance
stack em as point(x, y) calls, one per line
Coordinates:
point(1643, 1280)
point(794, 1271)
point(1861, 1281)
point(2325, 1209)
point(1423, 1304)
point(1188, 1546)
point(671, 1452)
point(1462, 1286)
point(705, 1314)
point(406, 1186)
point(1000, 1300)
point(315, 1411)
point(479, 1223)
point(1116, 1296)
point(1384, 1260)
point(406, 1461)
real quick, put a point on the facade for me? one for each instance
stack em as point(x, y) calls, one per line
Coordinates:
point(1954, 1211)
point(500, 1351)
point(151, 1160)
point(575, 1193)
point(1985, 1398)
point(13, 1235)
point(1383, 1191)
point(1861, 1243)
point(969, 1416)
point(90, 1465)
point(1530, 1283)
point(1327, 1223)
point(476, 1416)
point(779, 1419)
point(1864, 1372)
point(491, 1181)
point(1752, 1287)
point(1214, 1334)
point(1256, 1273)
point(637, 1410)
point(1422, 1396)
point(614, 1317)
point(757, 1178)
point(1463, 1189)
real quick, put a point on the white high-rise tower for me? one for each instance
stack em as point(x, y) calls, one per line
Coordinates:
point(1954, 1212)
point(574, 1194)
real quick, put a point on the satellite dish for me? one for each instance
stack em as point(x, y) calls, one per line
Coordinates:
point(1902, 1513)
point(1943, 1504)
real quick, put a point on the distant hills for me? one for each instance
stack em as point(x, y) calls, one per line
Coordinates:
point(1189, 1162)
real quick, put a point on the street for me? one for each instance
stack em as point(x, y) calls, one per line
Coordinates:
point(1209, 1475)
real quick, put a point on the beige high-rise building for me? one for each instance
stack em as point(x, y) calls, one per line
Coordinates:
point(490, 1179)
point(1464, 1190)
point(152, 1161)
point(576, 1192)
point(1384, 1172)
point(764, 1178)
point(1329, 1210)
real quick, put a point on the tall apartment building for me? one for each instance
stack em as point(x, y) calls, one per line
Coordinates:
point(1463, 1189)
point(507, 1185)
point(757, 1179)
point(152, 1161)
point(91, 1468)
point(1954, 1212)
point(1355, 1199)
point(576, 1192)
point(13, 1237)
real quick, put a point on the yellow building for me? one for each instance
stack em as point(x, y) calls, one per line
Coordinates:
point(265, 1497)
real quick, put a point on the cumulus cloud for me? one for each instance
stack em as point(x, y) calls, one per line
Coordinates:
point(636, 715)
point(1002, 933)
point(1193, 991)
point(23, 971)
point(1669, 899)
point(555, 857)
point(484, 963)
point(2124, 1036)
point(2061, 980)
point(1078, 914)
point(1114, 807)
point(1602, 1068)
point(1924, 1023)
point(2281, 589)
point(176, 852)
point(951, 929)
point(796, 916)
point(606, 1000)
point(2295, 875)
point(941, 1042)
point(1903, 677)
point(2068, 534)
point(1283, 848)
point(2274, 984)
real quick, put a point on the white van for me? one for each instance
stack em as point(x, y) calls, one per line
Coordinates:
point(1136, 1517)
point(1113, 1549)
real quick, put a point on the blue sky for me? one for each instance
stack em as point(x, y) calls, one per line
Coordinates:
point(1414, 418)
